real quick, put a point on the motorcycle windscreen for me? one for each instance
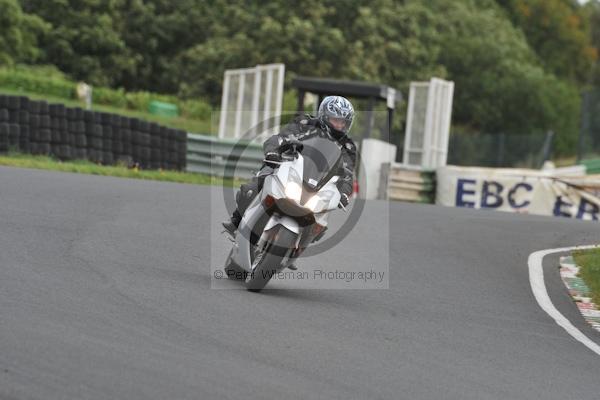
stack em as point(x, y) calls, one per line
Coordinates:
point(321, 160)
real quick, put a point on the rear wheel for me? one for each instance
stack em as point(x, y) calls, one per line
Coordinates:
point(270, 259)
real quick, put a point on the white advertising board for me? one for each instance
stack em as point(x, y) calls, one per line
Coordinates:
point(519, 191)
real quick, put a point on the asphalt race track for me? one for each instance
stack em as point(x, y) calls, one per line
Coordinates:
point(105, 294)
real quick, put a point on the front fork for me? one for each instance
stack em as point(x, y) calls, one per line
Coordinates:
point(268, 236)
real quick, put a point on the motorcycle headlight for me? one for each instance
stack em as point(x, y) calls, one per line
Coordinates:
point(319, 200)
point(293, 188)
point(293, 191)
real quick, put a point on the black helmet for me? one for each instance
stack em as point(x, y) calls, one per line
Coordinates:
point(337, 112)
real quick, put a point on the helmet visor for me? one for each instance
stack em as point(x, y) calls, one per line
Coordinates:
point(339, 124)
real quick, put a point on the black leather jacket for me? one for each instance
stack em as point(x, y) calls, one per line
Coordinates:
point(304, 127)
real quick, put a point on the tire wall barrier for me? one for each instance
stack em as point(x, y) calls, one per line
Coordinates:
point(36, 127)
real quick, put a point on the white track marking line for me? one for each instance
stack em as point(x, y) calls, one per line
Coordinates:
point(536, 279)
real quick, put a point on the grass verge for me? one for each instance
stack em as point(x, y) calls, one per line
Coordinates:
point(14, 159)
point(589, 270)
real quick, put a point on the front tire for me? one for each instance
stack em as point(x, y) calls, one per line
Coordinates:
point(234, 271)
point(282, 244)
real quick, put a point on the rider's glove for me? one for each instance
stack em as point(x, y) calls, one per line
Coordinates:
point(273, 156)
point(344, 200)
point(290, 143)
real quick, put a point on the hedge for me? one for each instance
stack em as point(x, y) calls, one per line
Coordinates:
point(20, 78)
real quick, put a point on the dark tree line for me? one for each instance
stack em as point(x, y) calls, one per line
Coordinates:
point(519, 65)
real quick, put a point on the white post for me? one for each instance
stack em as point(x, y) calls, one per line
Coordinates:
point(447, 121)
point(429, 124)
point(268, 89)
point(409, 122)
point(240, 99)
point(88, 99)
point(256, 97)
point(224, 99)
point(279, 101)
point(438, 91)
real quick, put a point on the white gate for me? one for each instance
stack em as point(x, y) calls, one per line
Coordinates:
point(428, 123)
point(251, 96)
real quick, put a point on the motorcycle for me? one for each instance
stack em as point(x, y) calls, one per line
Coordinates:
point(290, 212)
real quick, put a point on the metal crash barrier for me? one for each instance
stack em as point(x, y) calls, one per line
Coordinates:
point(406, 183)
point(226, 158)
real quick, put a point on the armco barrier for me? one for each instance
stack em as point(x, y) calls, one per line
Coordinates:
point(32, 126)
point(406, 183)
point(222, 157)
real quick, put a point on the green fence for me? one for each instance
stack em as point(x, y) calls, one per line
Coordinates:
point(592, 166)
point(589, 136)
point(499, 150)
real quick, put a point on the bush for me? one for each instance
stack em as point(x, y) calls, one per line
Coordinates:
point(19, 80)
point(195, 109)
point(109, 97)
point(47, 80)
point(138, 100)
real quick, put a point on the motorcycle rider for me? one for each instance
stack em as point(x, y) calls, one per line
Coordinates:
point(334, 120)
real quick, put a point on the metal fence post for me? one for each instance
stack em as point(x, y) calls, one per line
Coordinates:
point(585, 123)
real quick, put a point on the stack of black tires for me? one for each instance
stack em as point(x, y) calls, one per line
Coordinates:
point(14, 123)
point(36, 127)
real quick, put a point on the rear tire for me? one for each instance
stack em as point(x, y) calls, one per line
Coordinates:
point(271, 261)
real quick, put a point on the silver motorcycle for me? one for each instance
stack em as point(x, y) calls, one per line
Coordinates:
point(289, 213)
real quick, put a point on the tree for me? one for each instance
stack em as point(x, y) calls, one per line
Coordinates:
point(501, 85)
point(18, 34)
point(558, 31)
point(156, 32)
point(83, 40)
point(517, 64)
point(381, 41)
point(591, 12)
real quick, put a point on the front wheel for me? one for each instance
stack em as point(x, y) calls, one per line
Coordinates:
point(234, 271)
point(269, 262)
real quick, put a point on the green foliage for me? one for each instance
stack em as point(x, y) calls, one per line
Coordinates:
point(84, 41)
point(500, 84)
point(195, 109)
point(558, 32)
point(589, 263)
point(381, 41)
point(18, 33)
point(51, 85)
point(114, 97)
point(47, 80)
point(121, 43)
point(180, 122)
point(518, 64)
point(591, 13)
point(393, 43)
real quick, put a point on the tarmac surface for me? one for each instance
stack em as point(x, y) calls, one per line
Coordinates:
point(105, 293)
